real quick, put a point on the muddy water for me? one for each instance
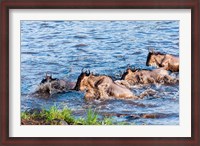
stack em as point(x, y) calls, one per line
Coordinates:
point(63, 48)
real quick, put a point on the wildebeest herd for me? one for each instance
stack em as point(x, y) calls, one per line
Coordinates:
point(104, 87)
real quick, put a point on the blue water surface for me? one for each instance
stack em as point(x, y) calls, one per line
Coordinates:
point(63, 48)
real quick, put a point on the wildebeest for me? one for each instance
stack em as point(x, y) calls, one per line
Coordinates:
point(157, 59)
point(103, 87)
point(143, 76)
point(51, 85)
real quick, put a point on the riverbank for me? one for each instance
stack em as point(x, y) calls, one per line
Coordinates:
point(53, 116)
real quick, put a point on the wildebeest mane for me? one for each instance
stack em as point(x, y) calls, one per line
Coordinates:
point(148, 58)
point(78, 82)
point(80, 77)
point(43, 81)
point(124, 75)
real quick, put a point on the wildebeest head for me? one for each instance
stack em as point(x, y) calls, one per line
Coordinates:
point(124, 75)
point(47, 78)
point(129, 71)
point(81, 81)
point(153, 57)
point(149, 57)
point(131, 75)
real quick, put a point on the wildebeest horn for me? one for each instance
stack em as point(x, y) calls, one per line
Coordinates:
point(128, 66)
point(82, 70)
point(87, 72)
point(47, 74)
point(151, 50)
point(134, 69)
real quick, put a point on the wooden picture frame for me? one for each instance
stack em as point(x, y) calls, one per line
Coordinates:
point(99, 4)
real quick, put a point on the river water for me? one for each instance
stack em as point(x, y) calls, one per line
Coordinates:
point(63, 48)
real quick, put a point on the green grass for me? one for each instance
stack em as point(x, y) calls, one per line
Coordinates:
point(53, 116)
point(92, 119)
point(25, 116)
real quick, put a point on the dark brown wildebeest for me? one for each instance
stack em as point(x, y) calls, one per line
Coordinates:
point(51, 85)
point(167, 61)
point(142, 76)
point(103, 87)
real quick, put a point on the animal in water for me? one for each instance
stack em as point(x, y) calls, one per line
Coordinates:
point(144, 76)
point(103, 87)
point(167, 61)
point(50, 85)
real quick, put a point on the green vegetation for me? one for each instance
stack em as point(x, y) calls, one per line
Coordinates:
point(62, 117)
